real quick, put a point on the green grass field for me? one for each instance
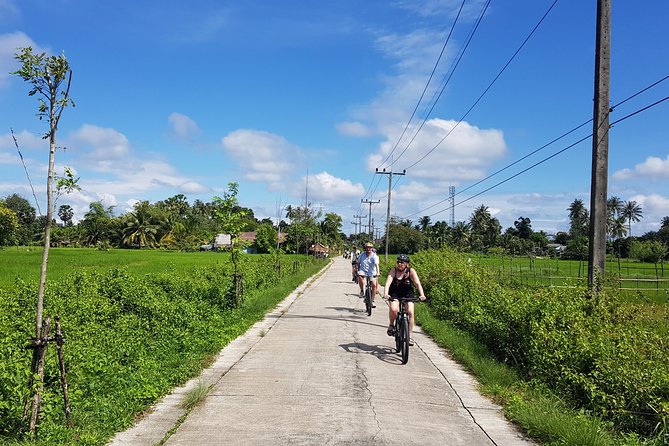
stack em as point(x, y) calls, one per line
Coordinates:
point(632, 278)
point(25, 263)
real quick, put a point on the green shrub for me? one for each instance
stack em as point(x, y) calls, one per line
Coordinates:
point(129, 340)
point(604, 356)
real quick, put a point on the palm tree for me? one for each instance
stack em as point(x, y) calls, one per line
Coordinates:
point(614, 206)
point(460, 234)
point(665, 222)
point(485, 229)
point(632, 212)
point(140, 228)
point(424, 223)
point(578, 217)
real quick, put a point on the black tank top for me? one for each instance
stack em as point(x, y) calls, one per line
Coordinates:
point(401, 286)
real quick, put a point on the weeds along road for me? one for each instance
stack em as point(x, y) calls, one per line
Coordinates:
point(319, 371)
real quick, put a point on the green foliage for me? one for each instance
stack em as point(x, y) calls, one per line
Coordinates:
point(651, 251)
point(405, 239)
point(46, 74)
point(130, 339)
point(9, 225)
point(266, 237)
point(610, 358)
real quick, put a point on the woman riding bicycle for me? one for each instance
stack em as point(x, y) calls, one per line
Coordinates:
point(399, 283)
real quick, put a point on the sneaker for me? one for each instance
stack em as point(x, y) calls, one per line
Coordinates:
point(362, 294)
point(411, 343)
point(373, 305)
point(391, 330)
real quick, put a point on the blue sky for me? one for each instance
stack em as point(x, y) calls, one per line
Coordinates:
point(178, 97)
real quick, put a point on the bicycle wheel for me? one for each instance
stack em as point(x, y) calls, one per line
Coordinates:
point(368, 301)
point(398, 335)
point(405, 339)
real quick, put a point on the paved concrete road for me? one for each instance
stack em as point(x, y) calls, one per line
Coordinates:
point(319, 371)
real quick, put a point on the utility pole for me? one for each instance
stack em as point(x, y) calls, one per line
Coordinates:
point(360, 217)
point(600, 149)
point(355, 228)
point(369, 225)
point(390, 188)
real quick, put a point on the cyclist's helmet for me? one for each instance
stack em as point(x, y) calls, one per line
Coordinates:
point(403, 258)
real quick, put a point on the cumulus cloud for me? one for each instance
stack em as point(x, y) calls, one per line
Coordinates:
point(107, 151)
point(25, 140)
point(654, 168)
point(458, 152)
point(9, 44)
point(328, 188)
point(264, 156)
point(183, 126)
point(103, 149)
point(355, 129)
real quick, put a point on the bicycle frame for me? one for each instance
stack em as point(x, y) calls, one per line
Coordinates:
point(402, 326)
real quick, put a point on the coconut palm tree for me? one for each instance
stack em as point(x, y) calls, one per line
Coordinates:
point(140, 228)
point(578, 218)
point(460, 234)
point(632, 213)
point(424, 223)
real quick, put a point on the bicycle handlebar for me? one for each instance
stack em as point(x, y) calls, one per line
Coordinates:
point(407, 299)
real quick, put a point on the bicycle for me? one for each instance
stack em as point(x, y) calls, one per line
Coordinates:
point(401, 327)
point(368, 295)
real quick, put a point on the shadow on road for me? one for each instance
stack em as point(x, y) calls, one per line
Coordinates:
point(382, 352)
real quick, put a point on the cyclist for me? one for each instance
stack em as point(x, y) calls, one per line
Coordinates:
point(354, 263)
point(368, 266)
point(399, 283)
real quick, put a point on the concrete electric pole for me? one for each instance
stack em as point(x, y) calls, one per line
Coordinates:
point(600, 149)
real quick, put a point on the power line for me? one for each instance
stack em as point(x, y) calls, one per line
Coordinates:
point(554, 154)
point(489, 86)
point(613, 107)
point(434, 69)
point(448, 79)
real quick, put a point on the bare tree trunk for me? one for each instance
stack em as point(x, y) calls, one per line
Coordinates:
point(41, 346)
point(63, 375)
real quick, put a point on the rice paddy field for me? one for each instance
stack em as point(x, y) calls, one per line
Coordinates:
point(631, 278)
point(25, 262)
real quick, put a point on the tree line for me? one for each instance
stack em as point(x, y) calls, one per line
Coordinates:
point(172, 223)
point(483, 233)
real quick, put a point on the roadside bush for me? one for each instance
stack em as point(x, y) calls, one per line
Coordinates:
point(607, 356)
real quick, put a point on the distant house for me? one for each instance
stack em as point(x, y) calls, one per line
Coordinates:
point(556, 248)
point(247, 238)
point(319, 250)
point(222, 241)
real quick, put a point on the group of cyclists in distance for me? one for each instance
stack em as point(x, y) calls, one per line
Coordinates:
point(399, 283)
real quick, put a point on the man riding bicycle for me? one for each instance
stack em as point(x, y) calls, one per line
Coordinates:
point(399, 283)
point(368, 266)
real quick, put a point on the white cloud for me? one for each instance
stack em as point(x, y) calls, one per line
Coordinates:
point(653, 207)
point(328, 188)
point(25, 140)
point(9, 44)
point(448, 8)
point(654, 168)
point(458, 153)
point(183, 126)
point(104, 149)
point(355, 129)
point(265, 157)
